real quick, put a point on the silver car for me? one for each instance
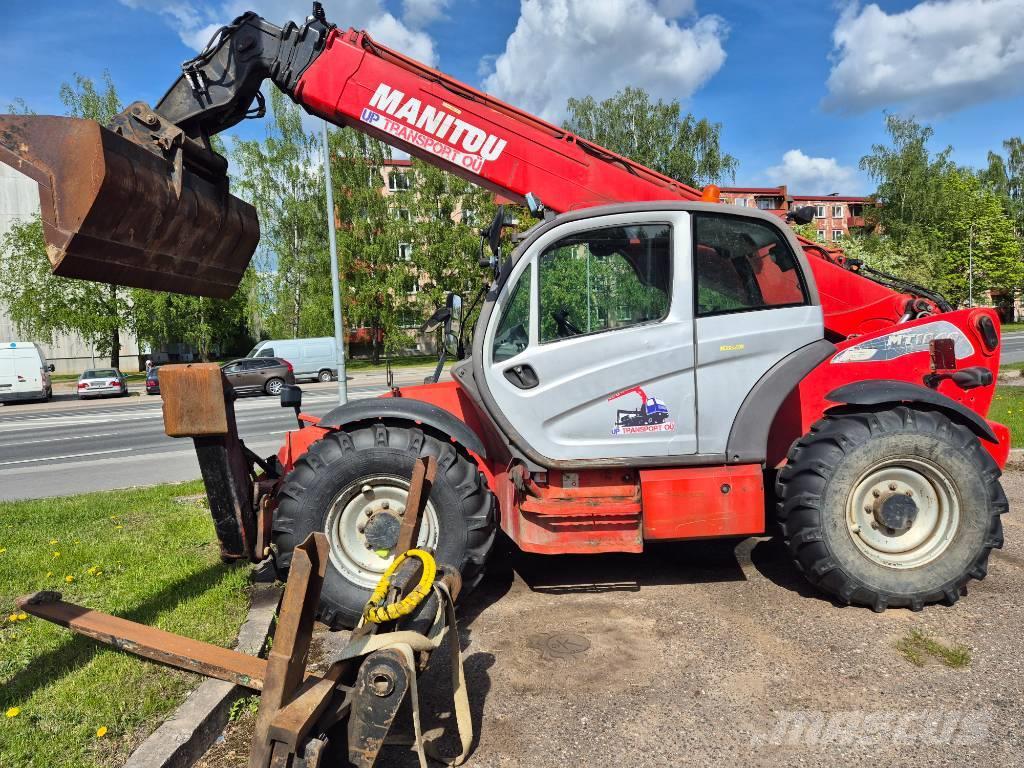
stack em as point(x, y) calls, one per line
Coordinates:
point(102, 382)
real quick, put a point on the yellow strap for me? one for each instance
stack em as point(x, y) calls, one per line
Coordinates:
point(376, 613)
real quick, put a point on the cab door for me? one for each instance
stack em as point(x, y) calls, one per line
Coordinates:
point(591, 355)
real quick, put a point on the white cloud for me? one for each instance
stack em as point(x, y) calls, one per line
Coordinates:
point(805, 175)
point(420, 13)
point(563, 48)
point(195, 21)
point(936, 57)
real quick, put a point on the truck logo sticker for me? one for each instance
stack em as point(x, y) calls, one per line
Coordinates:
point(652, 415)
point(907, 342)
point(433, 129)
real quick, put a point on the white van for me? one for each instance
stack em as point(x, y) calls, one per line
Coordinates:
point(24, 372)
point(311, 358)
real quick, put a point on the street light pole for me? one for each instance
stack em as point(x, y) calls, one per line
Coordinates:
point(970, 266)
point(339, 343)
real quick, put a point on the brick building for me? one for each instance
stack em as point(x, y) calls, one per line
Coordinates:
point(835, 216)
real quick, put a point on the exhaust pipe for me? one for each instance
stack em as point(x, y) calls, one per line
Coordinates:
point(115, 211)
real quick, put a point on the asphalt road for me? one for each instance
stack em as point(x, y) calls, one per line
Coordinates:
point(69, 446)
point(1013, 348)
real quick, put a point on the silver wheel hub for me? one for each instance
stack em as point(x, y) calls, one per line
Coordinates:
point(903, 513)
point(362, 524)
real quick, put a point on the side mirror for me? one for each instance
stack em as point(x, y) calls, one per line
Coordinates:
point(441, 315)
point(803, 215)
point(291, 397)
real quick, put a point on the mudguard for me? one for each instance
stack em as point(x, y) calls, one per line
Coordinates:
point(887, 391)
point(404, 409)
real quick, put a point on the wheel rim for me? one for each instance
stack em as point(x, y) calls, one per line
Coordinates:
point(325, 376)
point(274, 386)
point(903, 513)
point(351, 511)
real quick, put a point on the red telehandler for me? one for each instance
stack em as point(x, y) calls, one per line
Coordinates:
point(793, 386)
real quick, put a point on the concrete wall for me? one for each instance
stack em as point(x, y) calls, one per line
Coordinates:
point(19, 200)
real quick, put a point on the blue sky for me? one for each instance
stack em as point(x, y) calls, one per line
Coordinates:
point(800, 87)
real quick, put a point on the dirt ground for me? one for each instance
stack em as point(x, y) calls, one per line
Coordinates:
point(718, 653)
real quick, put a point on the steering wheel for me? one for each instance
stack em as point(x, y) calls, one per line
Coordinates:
point(564, 327)
point(517, 336)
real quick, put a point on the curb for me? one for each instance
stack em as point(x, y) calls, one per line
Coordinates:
point(195, 725)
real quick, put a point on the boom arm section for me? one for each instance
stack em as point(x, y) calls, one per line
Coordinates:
point(159, 215)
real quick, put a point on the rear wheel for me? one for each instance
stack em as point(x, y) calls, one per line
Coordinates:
point(894, 508)
point(353, 486)
point(274, 386)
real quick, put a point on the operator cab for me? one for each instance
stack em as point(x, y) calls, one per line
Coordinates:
point(682, 301)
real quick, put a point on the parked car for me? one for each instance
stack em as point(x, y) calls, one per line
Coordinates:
point(102, 382)
point(263, 374)
point(153, 381)
point(310, 358)
point(24, 372)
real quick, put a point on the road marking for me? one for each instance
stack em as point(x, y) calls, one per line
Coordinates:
point(72, 437)
point(65, 456)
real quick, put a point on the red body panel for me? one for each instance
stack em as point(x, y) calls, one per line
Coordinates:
point(703, 502)
point(808, 401)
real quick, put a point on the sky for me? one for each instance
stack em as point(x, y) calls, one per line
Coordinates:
point(800, 87)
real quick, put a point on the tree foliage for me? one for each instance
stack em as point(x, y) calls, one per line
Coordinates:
point(654, 133)
point(939, 224)
point(1004, 177)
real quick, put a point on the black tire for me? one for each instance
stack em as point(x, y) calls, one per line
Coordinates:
point(273, 384)
point(325, 376)
point(342, 461)
point(830, 464)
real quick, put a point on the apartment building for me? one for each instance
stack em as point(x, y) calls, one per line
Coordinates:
point(835, 216)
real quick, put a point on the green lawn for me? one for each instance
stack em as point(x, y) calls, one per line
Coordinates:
point(1008, 408)
point(138, 554)
point(1011, 327)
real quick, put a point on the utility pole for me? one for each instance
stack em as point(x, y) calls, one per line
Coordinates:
point(339, 342)
point(970, 266)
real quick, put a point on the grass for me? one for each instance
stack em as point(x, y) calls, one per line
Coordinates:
point(1011, 327)
point(916, 646)
point(1008, 408)
point(398, 361)
point(137, 554)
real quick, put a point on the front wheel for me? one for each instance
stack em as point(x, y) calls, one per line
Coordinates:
point(325, 376)
point(894, 508)
point(353, 486)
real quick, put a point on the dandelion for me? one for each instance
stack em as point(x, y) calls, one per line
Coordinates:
point(49, 574)
point(52, 542)
point(101, 732)
point(56, 554)
point(118, 527)
point(69, 579)
point(14, 711)
point(13, 617)
point(22, 616)
point(2, 550)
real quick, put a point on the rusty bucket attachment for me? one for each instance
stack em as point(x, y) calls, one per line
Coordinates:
point(115, 211)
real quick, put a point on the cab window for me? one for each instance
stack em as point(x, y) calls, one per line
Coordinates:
point(513, 334)
point(604, 279)
point(742, 264)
